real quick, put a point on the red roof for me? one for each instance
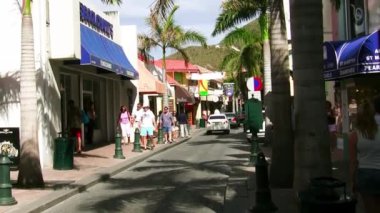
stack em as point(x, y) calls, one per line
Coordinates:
point(171, 81)
point(173, 65)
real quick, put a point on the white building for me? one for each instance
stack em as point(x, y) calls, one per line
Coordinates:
point(81, 54)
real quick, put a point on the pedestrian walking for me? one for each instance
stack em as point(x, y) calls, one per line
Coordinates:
point(175, 128)
point(182, 120)
point(134, 125)
point(365, 155)
point(331, 122)
point(89, 127)
point(166, 123)
point(124, 123)
point(74, 125)
point(148, 123)
point(137, 113)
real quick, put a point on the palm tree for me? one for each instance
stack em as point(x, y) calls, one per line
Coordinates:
point(237, 11)
point(312, 148)
point(247, 56)
point(166, 34)
point(276, 71)
point(283, 141)
point(30, 173)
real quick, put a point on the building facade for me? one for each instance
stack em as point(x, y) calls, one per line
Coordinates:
point(81, 54)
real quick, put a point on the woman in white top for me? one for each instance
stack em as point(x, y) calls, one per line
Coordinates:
point(365, 155)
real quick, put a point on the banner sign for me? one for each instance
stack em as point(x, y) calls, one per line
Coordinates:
point(228, 89)
point(203, 87)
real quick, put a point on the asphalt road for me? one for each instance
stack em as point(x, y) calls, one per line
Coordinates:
point(190, 177)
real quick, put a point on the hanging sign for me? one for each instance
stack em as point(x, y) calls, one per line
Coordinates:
point(228, 89)
point(254, 84)
point(203, 87)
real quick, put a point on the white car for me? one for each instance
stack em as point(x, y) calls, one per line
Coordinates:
point(218, 122)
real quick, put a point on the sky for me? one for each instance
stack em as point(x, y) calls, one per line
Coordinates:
point(199, 15)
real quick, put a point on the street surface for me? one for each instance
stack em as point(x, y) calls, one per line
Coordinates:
point(191, 177)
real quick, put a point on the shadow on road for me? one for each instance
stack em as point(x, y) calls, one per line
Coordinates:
point(175, 185)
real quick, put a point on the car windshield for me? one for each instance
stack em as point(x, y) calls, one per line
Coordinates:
point(230, 114)
point(217, 117)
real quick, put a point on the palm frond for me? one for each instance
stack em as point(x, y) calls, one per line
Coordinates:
point(251, 59)
point(112, 2)
point(161, 7)
point(236, 11)
point(182, 52)
point(231, 62)
point(146, 43)
point(190, 36)
point(240, 36)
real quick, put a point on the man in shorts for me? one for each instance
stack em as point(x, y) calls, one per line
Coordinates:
point(137, 113)
point(147, 125)
point(166, 122)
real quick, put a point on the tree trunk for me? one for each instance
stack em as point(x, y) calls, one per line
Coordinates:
point(30, 173)
point(165, 99)
point(282, 167)
point(267, 74)
point(312, 147)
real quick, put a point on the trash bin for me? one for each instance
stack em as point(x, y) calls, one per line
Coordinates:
point(63, 153)
point(327, 195)
point(202, 123)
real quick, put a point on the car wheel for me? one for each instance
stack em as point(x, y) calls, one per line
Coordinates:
point(227, 132)
point(208, 132)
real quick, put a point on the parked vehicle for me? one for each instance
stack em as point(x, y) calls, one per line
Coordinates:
point(233, 119)
point(218, 122)
point(240, 116)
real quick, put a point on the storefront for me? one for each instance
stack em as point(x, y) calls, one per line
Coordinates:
point(150, 88)
point(79, 56)
point(354, 65)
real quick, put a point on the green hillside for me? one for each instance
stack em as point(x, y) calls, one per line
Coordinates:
point(212, 56)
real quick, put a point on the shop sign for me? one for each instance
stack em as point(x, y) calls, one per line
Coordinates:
point(12, 134)
point(95, 21)
point(228, 89)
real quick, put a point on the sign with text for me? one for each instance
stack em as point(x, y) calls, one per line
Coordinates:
point(12, 134)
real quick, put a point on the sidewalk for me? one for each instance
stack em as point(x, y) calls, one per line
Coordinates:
point(241, 193)
point(90, 167)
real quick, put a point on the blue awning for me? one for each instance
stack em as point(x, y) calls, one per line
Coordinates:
point(331, 51)
point(357, 56)
point(99, 51)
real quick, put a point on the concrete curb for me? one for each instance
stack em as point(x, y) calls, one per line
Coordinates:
point(83, 184)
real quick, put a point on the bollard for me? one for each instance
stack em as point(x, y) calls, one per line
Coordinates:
point(136, 144)
point(160, 139)
point(263, 194)
point(118, 149)
point(5, 182)
point(254, 150)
